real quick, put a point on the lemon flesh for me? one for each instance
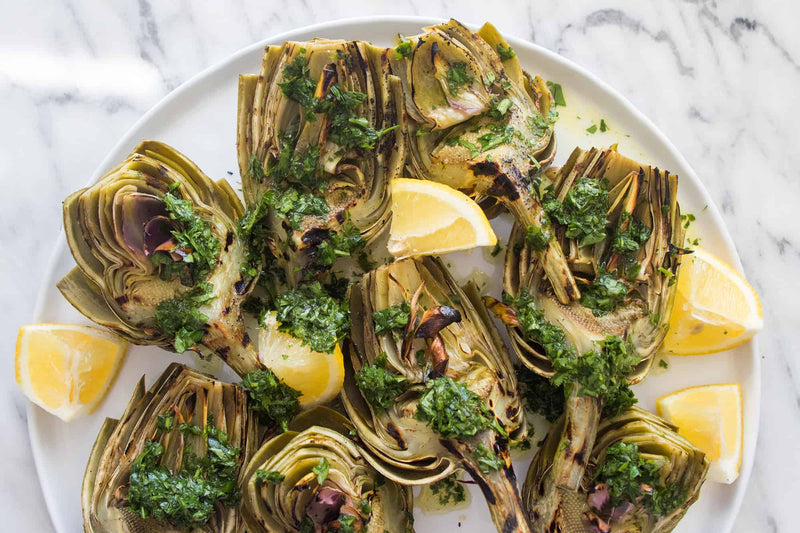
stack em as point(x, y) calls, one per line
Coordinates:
point(67, 369)
point(318, 376)
point(431, 218)
point(710, 417)
point(715, 308)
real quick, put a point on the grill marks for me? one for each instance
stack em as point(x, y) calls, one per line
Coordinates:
point(503, 187)
point(394, 432)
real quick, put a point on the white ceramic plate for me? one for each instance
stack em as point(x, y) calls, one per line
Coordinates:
point(199, 118)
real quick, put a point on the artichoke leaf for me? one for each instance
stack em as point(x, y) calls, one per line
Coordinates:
point(152, 418)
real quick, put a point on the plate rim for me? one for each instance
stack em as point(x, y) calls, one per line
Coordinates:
point(34, 414)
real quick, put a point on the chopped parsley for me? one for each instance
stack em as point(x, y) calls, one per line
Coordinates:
point(539, 124)
point(197, 246)
point(540, 395)
point(256, 168)
point(487, 459)
point(346, 524)
point(627, 243)
point(537, 237)
point(603, 125)
point(537, 328)
point(269, 476)
point(687, 219)
point(474, 151)
point(457, 77)
point(498, 135)
point(307, 525)
point(291, 204)
point(498, 247)
point(298, 86)
point(270, 398)
point(663, 363)
point(321, 470)
point(343, 243)
point(310, 314)
point(404, 49)
point(346, 129)
point(296, 167)
point(583, 210)
point(260, 262)
point(505, 52)
point(592, 128)
point(627, 472)
point(365, 507)
point(452, 410)
point(394, 318)
point(600, 373)
point(379, 386)
point(557, 92)
point(604, 295)
point(186, 498)
point(498, 108)
point(180, 317)
point(295, 205)
point(449, 490)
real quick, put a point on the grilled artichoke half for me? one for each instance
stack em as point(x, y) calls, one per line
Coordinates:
point(314, 478)
point(321, 126)
point(641, 477)
point(627, 266)
point(172, 461)
point(429, 385)
point(158, 256)
point(480, 124)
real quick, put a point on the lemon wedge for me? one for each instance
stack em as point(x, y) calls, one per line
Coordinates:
point(710, 417)
point(66, 369)
point(431, 218)
point(715, 308)
point(318, 376)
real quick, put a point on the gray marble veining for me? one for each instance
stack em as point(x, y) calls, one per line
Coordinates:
point(721, 79)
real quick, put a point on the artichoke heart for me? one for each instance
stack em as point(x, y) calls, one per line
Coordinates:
point(482, 125)
point(314, 478)
point(322, 124)
point(618, 224)
point(158, 256)
point(172, 461)
point(429, 385)
point(641, 476)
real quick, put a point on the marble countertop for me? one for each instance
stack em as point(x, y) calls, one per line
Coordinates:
point(76, 74)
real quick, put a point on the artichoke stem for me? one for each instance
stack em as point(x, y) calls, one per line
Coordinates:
point(552, 257)
point(499, 487)
point(232, 344)
point(581, 419)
